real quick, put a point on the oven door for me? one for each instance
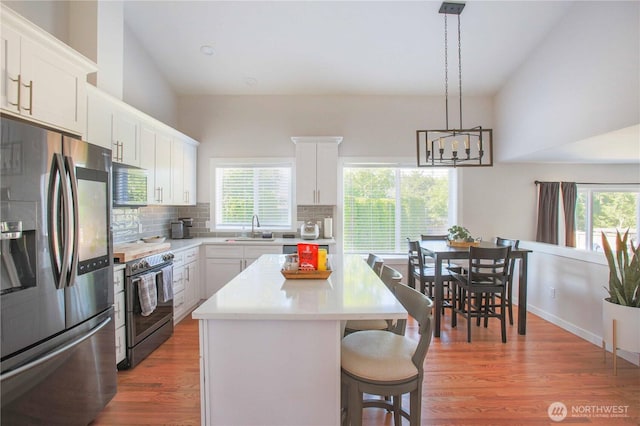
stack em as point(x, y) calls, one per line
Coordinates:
point(140, 327)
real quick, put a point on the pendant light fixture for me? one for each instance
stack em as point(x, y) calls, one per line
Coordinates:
point(471, 147)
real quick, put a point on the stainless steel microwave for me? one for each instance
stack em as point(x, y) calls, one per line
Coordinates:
point(129, 186)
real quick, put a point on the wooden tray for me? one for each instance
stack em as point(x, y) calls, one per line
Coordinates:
point(463, 243)
point(306, 275)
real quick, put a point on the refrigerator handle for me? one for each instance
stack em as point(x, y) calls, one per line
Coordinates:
point(55, 353)
point(74, 233)
point(57, 226)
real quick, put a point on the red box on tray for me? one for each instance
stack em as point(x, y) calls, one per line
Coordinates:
point(308, 256)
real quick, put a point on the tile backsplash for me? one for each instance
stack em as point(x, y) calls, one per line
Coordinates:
point(133, 224)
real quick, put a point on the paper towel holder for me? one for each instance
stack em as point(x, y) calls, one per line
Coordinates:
point(328, 227)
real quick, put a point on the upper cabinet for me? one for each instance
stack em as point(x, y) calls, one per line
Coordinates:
point(183, 172)
point(43, 79)
point(113, 124)
point(317, 169)
point(139, 140)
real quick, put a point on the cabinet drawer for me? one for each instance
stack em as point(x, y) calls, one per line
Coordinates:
point(191, 255)
point(178, 300)
point(118, 281)
point(118, 308)
point(121, 344)
point(178, 259)
point(224, 252)
point(178, 280)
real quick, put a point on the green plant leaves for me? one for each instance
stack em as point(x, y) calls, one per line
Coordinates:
point(624, 270)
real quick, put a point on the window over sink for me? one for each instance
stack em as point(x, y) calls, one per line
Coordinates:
point(244, 187)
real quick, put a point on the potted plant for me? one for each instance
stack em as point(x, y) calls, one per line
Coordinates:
point(620, 313)
point(459, 233)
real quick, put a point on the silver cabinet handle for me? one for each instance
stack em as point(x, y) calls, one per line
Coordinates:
point(19, 85)
point(30, 86)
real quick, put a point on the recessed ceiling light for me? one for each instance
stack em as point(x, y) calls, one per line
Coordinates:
point(250, 81)
point(205, 49)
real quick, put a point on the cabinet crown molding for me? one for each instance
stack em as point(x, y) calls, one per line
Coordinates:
point(316, 139)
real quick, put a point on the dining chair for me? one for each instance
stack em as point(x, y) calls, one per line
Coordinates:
point(387, 364)
point(512, 263)
point(485, 276)
point(390, 277)
point(425, 275)
point(375, 262)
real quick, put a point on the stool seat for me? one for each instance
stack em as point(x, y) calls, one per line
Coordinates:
point(378, 355)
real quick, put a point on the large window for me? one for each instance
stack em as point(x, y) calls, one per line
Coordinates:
point(384, 205)
point(261, 187)
point(604, 209)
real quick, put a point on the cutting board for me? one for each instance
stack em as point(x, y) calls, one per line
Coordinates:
point(130, 251)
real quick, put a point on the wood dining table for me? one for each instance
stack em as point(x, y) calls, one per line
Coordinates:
point(441, 251)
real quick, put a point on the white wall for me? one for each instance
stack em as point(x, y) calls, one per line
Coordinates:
point(262, 126)
point(144, 86)
point(582, 81)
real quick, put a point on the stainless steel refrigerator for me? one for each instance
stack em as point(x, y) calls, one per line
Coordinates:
point(56, 302)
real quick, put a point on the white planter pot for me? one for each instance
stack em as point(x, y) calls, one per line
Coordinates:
point(627, 335)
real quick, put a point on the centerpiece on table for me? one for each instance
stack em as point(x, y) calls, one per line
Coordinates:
point(459, 236)
point(310, 262)
point(621, 310)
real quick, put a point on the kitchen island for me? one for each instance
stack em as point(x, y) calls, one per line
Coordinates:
point(270, 347)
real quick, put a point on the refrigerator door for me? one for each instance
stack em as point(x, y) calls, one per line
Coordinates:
point(70, 384)
point(31, 307)
point(91, 250)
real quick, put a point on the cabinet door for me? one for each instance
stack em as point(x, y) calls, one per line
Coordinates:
point(306, 173)
point(148, 161)
point(177, 172)
point(121, 343)
point(189, 174)
point(53, 89)
point(220, 272)
point(10, 67)
point(163, 167)
point(99, 120)
point(252, 253)
point(125, 139)
point(191, 285)
point(327, 173)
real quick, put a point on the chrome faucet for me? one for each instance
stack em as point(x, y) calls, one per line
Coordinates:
point(254, 219)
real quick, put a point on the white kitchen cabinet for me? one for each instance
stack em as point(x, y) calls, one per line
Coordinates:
point(125, 145)
point(224, 262)
point(43, 79)
point(155, 147)
point(119, 314)
point(186, 282)
point(316, 170)
point(183, 172)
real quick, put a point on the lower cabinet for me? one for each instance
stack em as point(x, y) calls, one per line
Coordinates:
point(186, 282)
point(223, 262)
point(119, 314)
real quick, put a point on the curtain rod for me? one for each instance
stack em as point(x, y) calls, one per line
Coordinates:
point(595, 183)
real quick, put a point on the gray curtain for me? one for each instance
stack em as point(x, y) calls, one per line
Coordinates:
point(548, 212)
point(569, 197)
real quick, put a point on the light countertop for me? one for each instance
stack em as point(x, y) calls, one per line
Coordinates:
point(195, 242)
point(352, 291)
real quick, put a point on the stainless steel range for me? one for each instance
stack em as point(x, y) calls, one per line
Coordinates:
point(148, 305)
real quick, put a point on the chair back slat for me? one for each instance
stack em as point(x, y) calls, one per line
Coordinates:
point(488, 264)
point(391, 277)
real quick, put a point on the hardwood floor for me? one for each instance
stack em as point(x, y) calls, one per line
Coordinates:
point(482, 383)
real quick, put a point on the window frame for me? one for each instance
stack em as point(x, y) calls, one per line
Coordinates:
point(216, 163)
point(590, 188)
point(399, 163)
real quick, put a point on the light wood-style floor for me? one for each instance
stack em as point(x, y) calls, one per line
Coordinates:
point(482, 383)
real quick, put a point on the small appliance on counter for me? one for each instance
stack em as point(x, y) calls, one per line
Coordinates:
point(177, 229)
point(187, 224)
point(309, 231)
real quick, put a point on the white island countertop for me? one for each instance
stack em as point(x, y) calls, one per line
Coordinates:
point(352, 291)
